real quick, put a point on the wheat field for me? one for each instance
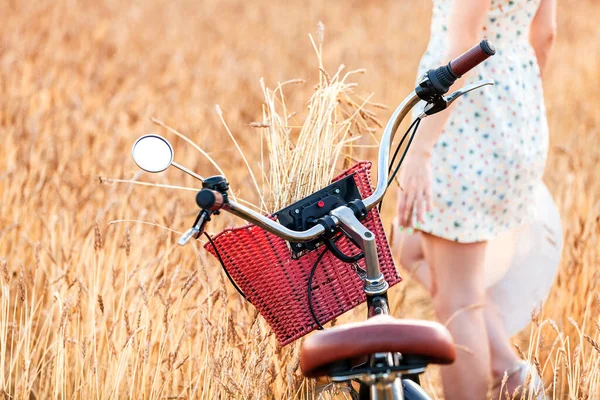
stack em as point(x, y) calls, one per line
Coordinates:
point(98, 301)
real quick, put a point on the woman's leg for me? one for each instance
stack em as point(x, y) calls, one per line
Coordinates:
point(502, 355)
point(458, 299)
point(409, 249)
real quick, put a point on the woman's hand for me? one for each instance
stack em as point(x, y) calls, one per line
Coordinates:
point(414, 195)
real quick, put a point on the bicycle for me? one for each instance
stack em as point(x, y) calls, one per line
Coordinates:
point(384, 355)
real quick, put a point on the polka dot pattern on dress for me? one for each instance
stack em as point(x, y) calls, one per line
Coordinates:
point(493, 149)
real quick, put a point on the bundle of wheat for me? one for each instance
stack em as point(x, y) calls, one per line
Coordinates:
point(295, 165)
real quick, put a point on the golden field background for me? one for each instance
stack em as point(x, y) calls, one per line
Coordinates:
point(93, 308)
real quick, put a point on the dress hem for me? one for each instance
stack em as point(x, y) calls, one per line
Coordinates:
point(485, 238)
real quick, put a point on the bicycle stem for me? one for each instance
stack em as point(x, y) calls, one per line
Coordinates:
point(375, 283)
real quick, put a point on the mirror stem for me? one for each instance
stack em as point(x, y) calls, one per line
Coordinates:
point(187, 171)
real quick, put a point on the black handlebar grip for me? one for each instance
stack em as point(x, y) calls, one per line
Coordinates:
point(208, 199)
point(473, 57)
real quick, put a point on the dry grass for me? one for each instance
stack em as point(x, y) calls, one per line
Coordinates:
point(97, 309)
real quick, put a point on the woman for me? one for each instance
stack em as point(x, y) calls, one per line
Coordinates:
point(470, 174)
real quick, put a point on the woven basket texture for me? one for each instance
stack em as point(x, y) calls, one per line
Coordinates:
point(261, 265)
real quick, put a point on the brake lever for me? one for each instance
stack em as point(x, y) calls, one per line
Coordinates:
point(197, 229)
point(469, 88)
point(444, 102)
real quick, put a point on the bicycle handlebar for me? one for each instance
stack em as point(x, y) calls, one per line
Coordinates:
point(457, 67)
point(472, 57)
point(384, 148)
point(273, 226)
point(209, 199)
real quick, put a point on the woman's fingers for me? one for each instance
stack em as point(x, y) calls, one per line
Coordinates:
point(411, 195)
point(419, 208)
point(412, 205)
point(414, 195)
point(428, 198)
point(424, 203)
point(401, 205)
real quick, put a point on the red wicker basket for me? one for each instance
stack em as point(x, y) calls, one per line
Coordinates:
point(261, 265)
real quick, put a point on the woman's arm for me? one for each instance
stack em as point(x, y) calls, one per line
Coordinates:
point(465, 29)
point(543, 31)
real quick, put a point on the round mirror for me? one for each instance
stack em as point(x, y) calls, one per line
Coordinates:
point(152, 153)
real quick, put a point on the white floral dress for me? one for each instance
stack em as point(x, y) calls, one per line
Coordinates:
point(491, 155)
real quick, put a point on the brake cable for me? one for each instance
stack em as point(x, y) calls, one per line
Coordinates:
point(400, 145)
point(309, 289)
point(413, 126)
point(225, 269)
point(340, 255)
point(416, 124)
point(331, 247)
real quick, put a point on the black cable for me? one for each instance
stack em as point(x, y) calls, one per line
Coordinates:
point(224, 268)
point(412, 136)
point(400, 145)
point(414, 124)
point(359, 256)
point(339, 254)
point(309, 291)
point(330, 245)
point(354, 243)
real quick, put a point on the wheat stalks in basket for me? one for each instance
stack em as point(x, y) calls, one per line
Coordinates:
point(295, 165)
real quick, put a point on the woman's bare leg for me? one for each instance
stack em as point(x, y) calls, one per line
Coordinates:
point(458, 299)
point(503, 356)
point(412, 257)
